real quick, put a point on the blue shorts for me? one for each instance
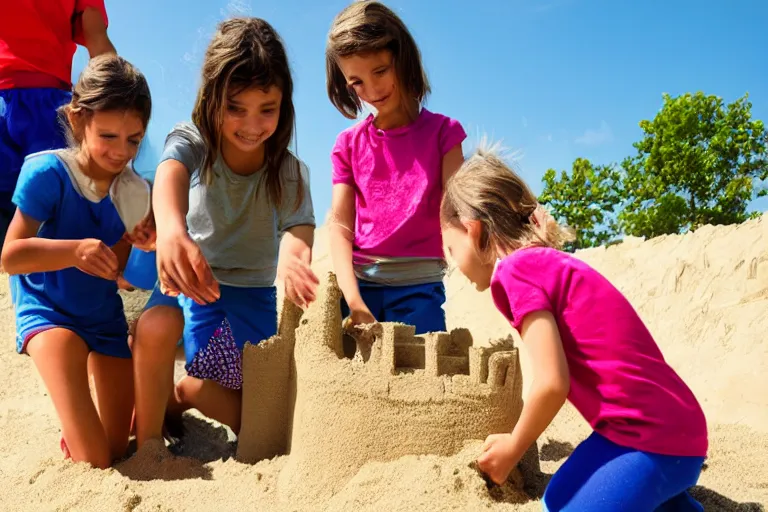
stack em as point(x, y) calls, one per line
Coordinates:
point(29, 123)
point(601, 476)
point(108, 338)
point(419, 305)
point(250, 314)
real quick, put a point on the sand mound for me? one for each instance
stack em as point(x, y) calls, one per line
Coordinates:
point(703, 295)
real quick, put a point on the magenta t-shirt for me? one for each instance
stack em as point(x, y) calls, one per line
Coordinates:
point(397, 176)
point(619, 380)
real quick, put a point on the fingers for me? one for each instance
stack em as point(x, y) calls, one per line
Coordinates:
point(292, 295)
point(98, 267)
point(300, 283)
point(201, 278)
point(184, 278)
point(109, 257)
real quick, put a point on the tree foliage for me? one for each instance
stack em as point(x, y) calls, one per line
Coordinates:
point(699, 162)
point(584, 200)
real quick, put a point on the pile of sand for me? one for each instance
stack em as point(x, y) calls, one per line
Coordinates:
point(703, 295)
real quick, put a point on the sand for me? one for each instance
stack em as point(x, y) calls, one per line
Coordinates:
point(703, 296)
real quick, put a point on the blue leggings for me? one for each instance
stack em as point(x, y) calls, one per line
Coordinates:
point(601, 476)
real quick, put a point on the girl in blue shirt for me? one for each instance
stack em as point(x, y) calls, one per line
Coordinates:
point(65, 249)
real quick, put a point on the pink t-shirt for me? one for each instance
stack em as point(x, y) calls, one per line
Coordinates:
point(397, 176)
point(619, 380)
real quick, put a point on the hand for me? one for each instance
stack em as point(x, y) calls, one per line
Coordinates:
point(359, 314)
point(93, 257)
point(144, 236)
point(497, 460)
point(182, 268)
point(300, 282)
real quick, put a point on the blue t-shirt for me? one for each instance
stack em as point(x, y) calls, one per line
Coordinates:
point(46, 191)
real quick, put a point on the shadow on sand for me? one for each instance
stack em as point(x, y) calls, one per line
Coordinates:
point(186, 458)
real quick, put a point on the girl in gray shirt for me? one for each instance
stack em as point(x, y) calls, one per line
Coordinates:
point(233, 212)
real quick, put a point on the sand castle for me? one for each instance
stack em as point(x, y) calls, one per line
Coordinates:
point(390, 393)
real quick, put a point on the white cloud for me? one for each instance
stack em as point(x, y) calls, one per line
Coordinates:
point(591, 137)
point(237, 8)
point(525, 122)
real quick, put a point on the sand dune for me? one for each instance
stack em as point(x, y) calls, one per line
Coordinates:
point(704, 296)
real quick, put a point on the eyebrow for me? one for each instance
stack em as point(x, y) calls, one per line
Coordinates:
point(111, 132)
point(271, 103)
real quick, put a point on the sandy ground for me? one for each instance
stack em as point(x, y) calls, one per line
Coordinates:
point(703, 295)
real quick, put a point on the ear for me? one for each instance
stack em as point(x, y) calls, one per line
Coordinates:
point(75, 120)
point(474, 229)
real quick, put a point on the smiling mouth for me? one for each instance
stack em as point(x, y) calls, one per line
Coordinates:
point(249, 140)
point(380, 100)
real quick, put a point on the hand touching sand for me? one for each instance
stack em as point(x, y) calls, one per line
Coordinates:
point(498, 457)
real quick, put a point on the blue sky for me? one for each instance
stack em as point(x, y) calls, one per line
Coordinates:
point(552, 79)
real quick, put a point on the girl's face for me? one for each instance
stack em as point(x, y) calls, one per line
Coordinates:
point(111, 139)
point(250, 118)
point(461, 243)
point(373, 77)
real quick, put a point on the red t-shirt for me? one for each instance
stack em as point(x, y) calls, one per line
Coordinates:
point(620, 381)
point(38, 39)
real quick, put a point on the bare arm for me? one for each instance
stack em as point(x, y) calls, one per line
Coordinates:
point(25, 253)
point(293, 266)
point(95, 33)
point(551, 384)
point(170, 197)
point(297, 243)
point(451, 162)
point(342, 236)
point(181, 265)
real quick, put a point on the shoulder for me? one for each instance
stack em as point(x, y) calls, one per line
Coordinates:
point(435, 119)
point(352, 133)
point(185, 132)
point(293, 167)
point(43, 163)
point(530, 267)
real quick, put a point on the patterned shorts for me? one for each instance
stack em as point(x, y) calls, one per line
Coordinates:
point(220, 361)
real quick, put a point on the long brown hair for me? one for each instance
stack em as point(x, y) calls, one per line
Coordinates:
point(109, 83)
point(247, 53)
point(365, 27)
point(487, 190)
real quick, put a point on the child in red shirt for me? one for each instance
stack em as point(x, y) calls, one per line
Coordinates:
point(38, 39)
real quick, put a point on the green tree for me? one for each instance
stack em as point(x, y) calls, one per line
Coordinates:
point(584, 200)
point(699, 162)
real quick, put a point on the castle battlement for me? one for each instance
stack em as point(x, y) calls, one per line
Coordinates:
point(379, 392)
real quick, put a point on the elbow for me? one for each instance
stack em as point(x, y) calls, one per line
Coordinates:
point(555, 388)
point(99, 44)
point(7, 260)
point(559, 388)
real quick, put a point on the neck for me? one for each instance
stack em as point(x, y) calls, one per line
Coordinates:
point(404, 115)
point(243, 163)
point(101, 179)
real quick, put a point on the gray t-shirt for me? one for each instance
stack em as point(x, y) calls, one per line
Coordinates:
point(232, 220)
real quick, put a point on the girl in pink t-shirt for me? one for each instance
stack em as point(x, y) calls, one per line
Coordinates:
point(388, 173)
point(587, 344)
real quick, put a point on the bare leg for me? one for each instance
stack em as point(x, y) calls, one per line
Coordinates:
point(113, 387)
point(61, 358)
point(154, 350)
point(212, 399)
